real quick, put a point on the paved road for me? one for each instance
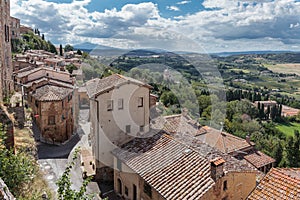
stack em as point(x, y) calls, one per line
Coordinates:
point(53, 159)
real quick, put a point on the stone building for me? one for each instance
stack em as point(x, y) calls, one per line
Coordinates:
point(6, 83)
point(15, 28)
point(163, 167)
point(25, 29)
point(35, 75)
point(52, 108)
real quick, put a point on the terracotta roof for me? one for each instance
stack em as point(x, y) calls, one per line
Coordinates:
point(50, 81)
point(258, 159)
point(185, 125)
point(91, 86)
point(278, 184)
point(225, 142)
point(184, 161)
point(51, 93)
point(26, 73)
point(218, 161)
point(160, 158)
point(110, 82)
point(175, 124)
point(210, 153)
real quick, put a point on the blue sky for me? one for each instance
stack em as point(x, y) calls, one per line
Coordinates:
point(197, 25)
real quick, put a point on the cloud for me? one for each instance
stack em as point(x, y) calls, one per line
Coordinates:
point(221, 26)
point(183, 2)
point(173, 8)
point(65, 21)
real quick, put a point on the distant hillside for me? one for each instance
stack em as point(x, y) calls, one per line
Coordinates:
point(224, 54)
point(283, 57)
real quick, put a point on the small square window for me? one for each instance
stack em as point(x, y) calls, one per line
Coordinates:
point(120, 104)
point(141, 128)
point(110, 104)
point(140, 102)
point(128, 128)
point(51, 120)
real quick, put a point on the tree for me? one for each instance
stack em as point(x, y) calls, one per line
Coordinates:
point(64, 183)
point(60, 50)
point(52, 48)
point(70, 68)
point(79, 52)
point(277, 153)
point(16, 170)
point(68, 48)
point(43, 37)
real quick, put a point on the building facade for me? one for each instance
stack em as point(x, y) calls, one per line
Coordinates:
point(52, 108)
point(6, 83)
point(15, 28)
point(119, 111)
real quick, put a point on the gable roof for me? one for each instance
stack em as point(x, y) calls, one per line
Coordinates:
point(160, 158)
point(184, 163)
point(51, 93)
point(279, 183)
point(225, 142)
point(258, 159)
point(114, 80)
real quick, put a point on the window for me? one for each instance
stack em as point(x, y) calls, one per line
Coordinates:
point(126, 191)
point(69, 97)
point(134, 192)
point(141, 128)
point(140, 101)
point(6, 32)
point(110, 104)
point(128, 128)
point(51, 120)
point(225, 185)
point(147, 189)
point(119, 186)
point(120, 104)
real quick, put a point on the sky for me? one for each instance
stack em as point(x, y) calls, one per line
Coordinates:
point(174, 25)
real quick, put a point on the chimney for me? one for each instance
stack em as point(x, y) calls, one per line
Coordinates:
point(248, 139)
point(216, 168)
point(185, 112)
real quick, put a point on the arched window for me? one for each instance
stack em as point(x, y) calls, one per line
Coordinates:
point(119, 185)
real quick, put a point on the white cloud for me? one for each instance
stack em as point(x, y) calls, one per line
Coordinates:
point(183, 2)
point(173, 8)
point(294, 25)
point(234, 25)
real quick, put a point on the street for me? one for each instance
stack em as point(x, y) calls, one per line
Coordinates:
point(53, 159)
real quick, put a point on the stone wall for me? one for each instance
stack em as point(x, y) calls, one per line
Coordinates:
point(6, 83)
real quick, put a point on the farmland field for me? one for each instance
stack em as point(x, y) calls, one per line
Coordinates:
point(288, 128)
point(288, 68)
